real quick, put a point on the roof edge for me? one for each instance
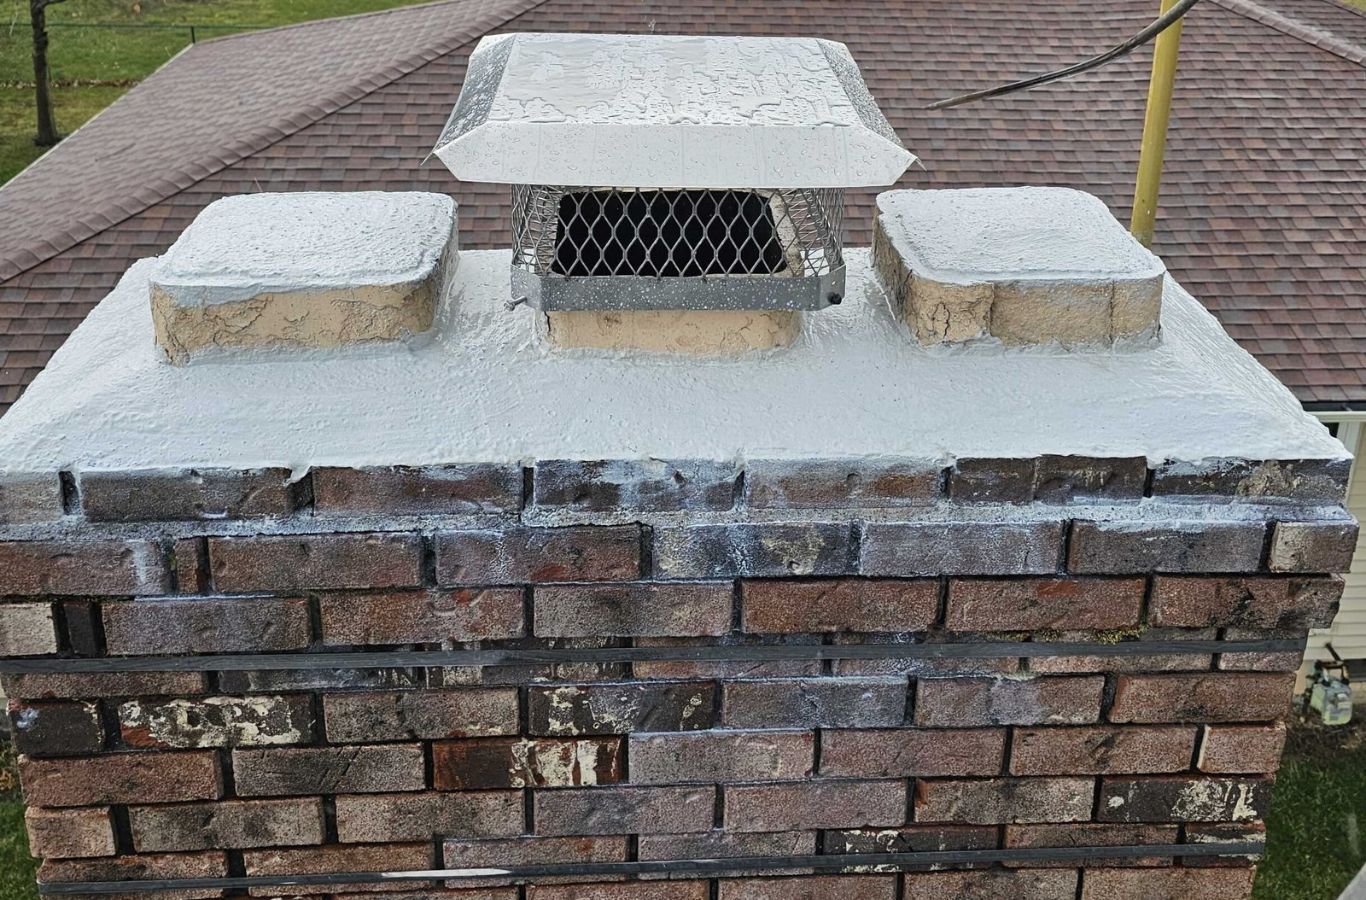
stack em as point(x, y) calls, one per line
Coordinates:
point(1288, 25)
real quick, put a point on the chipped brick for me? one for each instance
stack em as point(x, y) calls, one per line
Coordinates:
point(1174, 798)
point(234, 825)
point(620, 708)
point(217, 722)
point(523, 762)
point(1101, 548)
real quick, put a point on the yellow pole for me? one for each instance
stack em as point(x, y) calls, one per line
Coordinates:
point(1155, 130)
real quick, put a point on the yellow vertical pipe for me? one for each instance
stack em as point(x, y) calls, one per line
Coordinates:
point(1165, 50)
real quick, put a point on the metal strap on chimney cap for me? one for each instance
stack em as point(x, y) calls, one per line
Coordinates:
point(860, 862)
point(516, 656)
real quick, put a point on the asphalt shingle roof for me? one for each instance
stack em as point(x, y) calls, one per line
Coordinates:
point(1263, 212)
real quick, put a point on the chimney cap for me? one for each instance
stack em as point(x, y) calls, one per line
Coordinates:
point(654, 111)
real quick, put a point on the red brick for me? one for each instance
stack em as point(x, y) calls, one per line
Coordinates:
point(630, 485)
point(523, 762)
point(843, 604)
point(293, 562)
point(620, 708)
point(913, 839)
point(233, 825)
point(290, 771)
point(961, 548)
point(816, 804)
point(1250, 479)
point(139, 868)
point(1016, 884)
point(1265, 660)
point(525, 555)
point(421, 617)
point(815, 703)
point(905, 753)
point(992, 480)
point(841, 483)
point(1128, 661)
point(217, 722)
point(1064, 479)
point(728, 668)
point(104, 686)
point(1102, 548)
point(630, 810)
point(1044, 603)
point(717, 844)
point(246, 625)
point(70, 833)
point(378, 818)
point(968, 702)
point(56, 729)
point(1004, 801)
point(120, 778)
point(29, 497)
point(189, 494)
point(633, 610)
point(1086, 834)
point(1209, 697)
point(1100, 750)
point(358, 718)
point(506, 853)
point(1167, 884)
point(1241, 749)
point(638, 890)
point(721, 756)
point(819, 887)
point(1312, 546)
point(1173, 798)
point(104, 568)
point(27, 629)
point(925, 666)
point(333, 859)
point(1245, 602)
point(417, 490)
point(753, 550)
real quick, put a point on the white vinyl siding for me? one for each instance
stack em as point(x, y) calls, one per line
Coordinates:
point(1348, 633)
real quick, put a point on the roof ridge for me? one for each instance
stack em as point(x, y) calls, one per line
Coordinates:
point(1309, 34)
point(267, 134)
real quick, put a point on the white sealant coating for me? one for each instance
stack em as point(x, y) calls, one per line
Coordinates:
point(668, 112)
point(980, 235)
point(485, 388)
point(251, 244)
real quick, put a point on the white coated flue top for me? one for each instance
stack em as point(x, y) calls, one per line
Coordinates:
point(599, 110)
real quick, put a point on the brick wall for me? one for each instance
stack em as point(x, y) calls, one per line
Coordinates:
point(158, 774)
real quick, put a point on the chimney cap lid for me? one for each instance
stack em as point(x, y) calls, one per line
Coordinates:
point(668, 112)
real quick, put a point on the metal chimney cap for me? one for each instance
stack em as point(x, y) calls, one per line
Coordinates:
point(668, 112)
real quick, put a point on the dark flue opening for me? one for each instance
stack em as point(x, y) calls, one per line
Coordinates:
point(667, 234)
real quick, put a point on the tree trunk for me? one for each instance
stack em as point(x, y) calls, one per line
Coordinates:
point(47, 125)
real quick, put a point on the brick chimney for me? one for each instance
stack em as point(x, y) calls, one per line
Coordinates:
point(992, 582)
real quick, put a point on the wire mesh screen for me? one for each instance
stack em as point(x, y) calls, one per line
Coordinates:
point(710, 235)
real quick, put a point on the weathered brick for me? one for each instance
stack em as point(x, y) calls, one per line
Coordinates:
point(1128, 661)
point(815, 804)
point(1167, 884)
point(905, 753)
point(321, 679)
point(417, 490)
point(1017, 884)
point(139, 868)
point(841, 483)
point(1063, 479)
point(968, 702)
point(633, 610)
point(1101, 548)
point(961, 548)
point(814, 703)
point(753, 550)
point(453, 676)
point(728, 668)
point(635, 485)
point(190, 565)
point(1004, 801)
point(504, 853)
point(913, 839)
point(522, 762)
point(234, 825)
point(1204, 697)
point(333, 859)
point(817, 887)
point(217, 722)
point(148, 495)
point(1224, 833)
point(522, 555)
point(52, 686)
point(414, 617)
point(55, 729)
point(993, 480)
point(719, 844)
point(120, 778)
point(1241, 749)
point(633, 810)
point(328, 770)
point(29, 497)
point(376, 818)
point(1310, 480)
point(923, 665)
point(246, 625)
point(619, 708)
point(1101, 750)
point(1265, 660)
point(1044, 603)
point(1312, 546)
point(1173, 798)
point(843, 604)
point(1085, 834)
point(297, 561)
point(1245, 602)
point(84, 631)
point(637, 890)
point(70, 833)
point(357, 718)
point(721, 756)
point(101, 568)
point(27, 629)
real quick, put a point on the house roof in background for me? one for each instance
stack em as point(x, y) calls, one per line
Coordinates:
point(1262, 203)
